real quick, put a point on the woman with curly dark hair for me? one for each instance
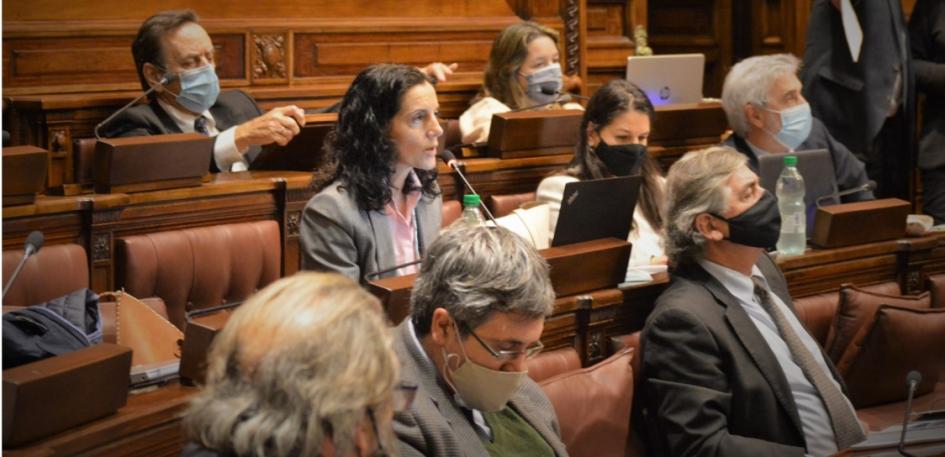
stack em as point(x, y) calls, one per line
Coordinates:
point(377, 203)
point(612, 142)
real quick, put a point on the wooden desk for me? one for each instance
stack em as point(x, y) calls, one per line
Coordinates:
point(148, 425)
point(96, 220)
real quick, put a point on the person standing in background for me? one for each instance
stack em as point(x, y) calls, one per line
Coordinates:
point(857, 76)
point(927, 36)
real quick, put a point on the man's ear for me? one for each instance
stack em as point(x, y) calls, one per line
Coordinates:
point(440, 326)
point(153, 75)
point(754, 116)
point(710, 227)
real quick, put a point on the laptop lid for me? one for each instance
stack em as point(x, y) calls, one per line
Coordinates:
point(668, 78)
point(595, 209)
point(815, 165)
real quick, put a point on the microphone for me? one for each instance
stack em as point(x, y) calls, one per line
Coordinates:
point(34, 241)
point(377, 273)
point(164, 81)
point(868, 186)
point(912, 380)
point(449, 159)
point(562, 97)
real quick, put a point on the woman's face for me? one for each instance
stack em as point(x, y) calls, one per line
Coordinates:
point(630, 127)
point(416, 127)
point(541, 52)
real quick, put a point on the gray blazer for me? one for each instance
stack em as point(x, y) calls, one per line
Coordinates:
point(338, 236)
point(436, 426)
point(711, 385)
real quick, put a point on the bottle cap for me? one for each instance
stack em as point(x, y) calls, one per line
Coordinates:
point(790, 161)
point(470, 200)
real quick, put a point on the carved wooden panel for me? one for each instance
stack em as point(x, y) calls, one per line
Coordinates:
point(610, 26)
point(681, 26)
point(269, 61)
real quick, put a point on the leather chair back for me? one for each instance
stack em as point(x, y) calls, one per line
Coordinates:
point(451, 211)
point(593, 405)
point(52, 272)
point(552, 363)
point(502, 205)
point(817, 312)
point(936, 285)
point(200, 267)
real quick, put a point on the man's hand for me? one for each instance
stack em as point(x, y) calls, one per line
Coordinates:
point(439, 70)
point(278, 126)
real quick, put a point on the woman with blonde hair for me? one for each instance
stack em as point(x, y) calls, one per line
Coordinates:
point(523, 71)
point(304, 367)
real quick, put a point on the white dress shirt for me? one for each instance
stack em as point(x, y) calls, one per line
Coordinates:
point(226, 155)
point(818, 431)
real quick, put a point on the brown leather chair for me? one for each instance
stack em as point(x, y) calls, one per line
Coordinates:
point(552, 363)
point(593, 404)
point(816, 312)
point(501, 205)
point(52, 272)
point(936, 285)
point(452, 209)
point(200, 267)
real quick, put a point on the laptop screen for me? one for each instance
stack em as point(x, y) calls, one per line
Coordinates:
point(595, 209)
point(669, 78)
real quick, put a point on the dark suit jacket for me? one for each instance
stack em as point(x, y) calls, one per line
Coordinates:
point(851, 98)
point(436, 426)
point(849, 171)
point(927, 35)
point(233, 107)
point(712, 386)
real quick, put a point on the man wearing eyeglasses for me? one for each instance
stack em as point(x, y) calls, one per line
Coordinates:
point(477, 313)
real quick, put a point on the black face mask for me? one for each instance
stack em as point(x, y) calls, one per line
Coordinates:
point(758, 226)
point(621, 160)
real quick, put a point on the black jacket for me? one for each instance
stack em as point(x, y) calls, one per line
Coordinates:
point(927, 35)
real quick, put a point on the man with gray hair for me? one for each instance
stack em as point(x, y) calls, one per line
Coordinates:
point(477, 313)
point(728, 369)
point(768, 115)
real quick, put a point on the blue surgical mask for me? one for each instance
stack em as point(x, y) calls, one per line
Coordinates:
point(547, 78)
point(199, 89)
point(796, 122)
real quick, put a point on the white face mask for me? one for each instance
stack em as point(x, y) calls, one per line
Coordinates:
point(796, 123)
point(479, 387)
point(544, 83)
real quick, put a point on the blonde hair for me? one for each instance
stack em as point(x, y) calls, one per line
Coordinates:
point(509, 51)
point(695, 184)
point(301, 361)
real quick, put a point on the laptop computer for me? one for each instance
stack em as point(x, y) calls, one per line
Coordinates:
point(668, 78)
point(815, 165)
point(595, 209)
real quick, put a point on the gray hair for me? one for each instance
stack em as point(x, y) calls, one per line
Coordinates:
point(695, 185)
point(300, 362)
point(748, 82)
point(475, 271)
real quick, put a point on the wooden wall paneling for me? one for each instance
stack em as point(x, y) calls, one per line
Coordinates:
point(610, 24)
point(681, 26)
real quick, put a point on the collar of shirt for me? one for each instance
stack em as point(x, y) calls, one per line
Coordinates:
point(185, 120)
point(759, 153)
point(412, 198)
point(736, 283)
point(477, 418)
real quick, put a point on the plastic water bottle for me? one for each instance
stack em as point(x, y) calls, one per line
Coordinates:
point(472, 215)
point(790, 193)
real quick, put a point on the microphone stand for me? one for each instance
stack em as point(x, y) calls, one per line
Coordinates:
point(164, 81)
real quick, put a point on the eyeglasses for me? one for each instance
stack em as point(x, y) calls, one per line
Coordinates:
point(403, 396)
point(506, 356)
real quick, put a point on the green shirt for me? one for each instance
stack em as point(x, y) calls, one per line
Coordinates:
point(513, 436)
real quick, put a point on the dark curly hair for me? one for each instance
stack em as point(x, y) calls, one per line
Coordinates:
point(360, 152)
point(611, 100)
